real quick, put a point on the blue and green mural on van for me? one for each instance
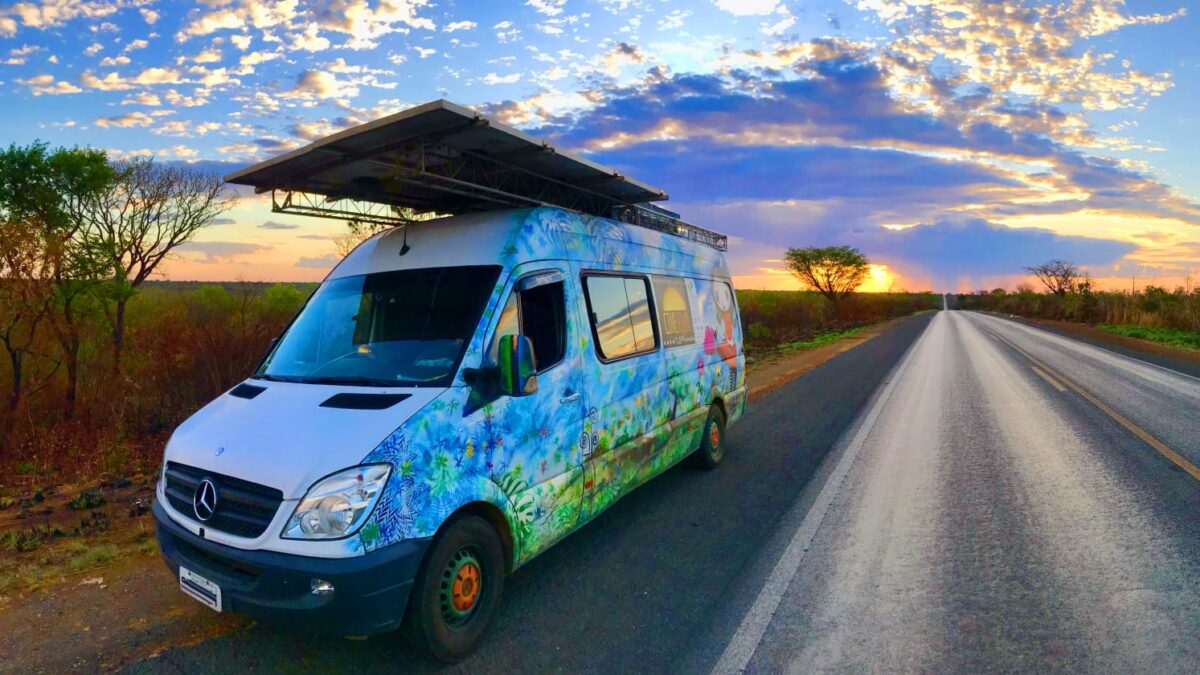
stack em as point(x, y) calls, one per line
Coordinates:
point(594, 431)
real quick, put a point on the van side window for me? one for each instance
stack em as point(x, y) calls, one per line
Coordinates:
point(539, 314)
point(620, 313)
point(674, 311)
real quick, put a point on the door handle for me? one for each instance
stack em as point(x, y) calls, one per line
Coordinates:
point(569, 398)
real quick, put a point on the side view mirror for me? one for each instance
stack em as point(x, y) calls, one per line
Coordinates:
point(517, 366)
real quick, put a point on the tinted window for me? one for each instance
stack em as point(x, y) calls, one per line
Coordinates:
point(620, 314)
point(389, 328)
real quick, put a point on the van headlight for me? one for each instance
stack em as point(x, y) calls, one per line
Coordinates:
point(336, 506)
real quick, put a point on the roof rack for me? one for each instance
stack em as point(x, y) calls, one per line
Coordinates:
point(443, 158)
point(662, 220)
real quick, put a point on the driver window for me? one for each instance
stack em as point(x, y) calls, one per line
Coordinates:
point(539, 314)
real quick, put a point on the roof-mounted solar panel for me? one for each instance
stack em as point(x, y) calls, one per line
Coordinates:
point(443, 158)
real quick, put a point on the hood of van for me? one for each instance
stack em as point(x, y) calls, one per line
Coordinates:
point(288, 435)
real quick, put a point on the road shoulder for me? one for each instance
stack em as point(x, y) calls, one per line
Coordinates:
point(1173, 358)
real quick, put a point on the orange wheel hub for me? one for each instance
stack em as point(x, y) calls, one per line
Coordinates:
point(465, 587)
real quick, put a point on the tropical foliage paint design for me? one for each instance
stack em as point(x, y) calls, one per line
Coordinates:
point(551, 460)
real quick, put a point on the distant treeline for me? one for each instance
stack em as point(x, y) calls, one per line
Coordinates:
point(1149, 307)
point(773, 318)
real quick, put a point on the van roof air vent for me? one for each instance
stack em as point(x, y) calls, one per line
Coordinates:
point(348, 401)
point(246, 391)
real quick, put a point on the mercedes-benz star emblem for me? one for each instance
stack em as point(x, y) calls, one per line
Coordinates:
point(204, 503)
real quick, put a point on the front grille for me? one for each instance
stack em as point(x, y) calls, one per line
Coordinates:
point(244, 509)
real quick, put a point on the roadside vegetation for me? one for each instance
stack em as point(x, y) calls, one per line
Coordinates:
point(1169, 317)
point(789, 320)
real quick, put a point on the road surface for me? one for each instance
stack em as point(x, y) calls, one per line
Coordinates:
point(927, 501)
point(1013, 500)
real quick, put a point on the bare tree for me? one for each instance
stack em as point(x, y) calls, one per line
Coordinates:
point(146, 213)
point(834, 271)
point(1058, 276)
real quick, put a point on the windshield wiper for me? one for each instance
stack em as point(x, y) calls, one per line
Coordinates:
point(274, 378)
point(354, 380)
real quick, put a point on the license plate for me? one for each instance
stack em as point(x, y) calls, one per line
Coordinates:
point(200, 588)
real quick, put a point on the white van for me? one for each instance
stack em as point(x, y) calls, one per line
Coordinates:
point(456, 396)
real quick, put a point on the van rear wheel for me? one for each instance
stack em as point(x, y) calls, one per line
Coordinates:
point(712, 444)
point(457, 591)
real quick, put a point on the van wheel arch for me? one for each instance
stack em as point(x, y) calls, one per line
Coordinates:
point(720, 403)
point(491, 513)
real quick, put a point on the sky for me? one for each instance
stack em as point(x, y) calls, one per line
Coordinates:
point(954, 142)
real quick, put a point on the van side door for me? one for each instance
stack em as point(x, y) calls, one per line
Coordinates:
point(543, 477)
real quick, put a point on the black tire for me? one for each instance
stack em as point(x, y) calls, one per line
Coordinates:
point(712, 443)
point(435, 623)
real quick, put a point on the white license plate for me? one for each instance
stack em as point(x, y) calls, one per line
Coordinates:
point(200, 588)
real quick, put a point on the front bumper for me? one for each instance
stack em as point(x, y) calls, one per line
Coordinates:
point(370, 591)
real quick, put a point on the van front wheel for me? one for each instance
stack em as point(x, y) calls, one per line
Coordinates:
point(712, 445)
point(457, 590)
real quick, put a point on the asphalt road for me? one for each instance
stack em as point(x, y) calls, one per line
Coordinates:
point(1008, 504)
point(940, 508)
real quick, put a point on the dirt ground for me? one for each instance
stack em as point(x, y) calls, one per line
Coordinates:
point(66, 608)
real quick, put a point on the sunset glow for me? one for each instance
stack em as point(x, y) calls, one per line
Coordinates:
point(1067, 131)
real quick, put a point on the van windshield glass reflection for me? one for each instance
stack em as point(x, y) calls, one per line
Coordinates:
point(402, 328)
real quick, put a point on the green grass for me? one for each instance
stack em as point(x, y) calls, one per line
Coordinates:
point(91, 557)
point(1183, 339)
point(821, 339)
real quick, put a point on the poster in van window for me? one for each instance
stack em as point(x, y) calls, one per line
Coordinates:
point(674, 311)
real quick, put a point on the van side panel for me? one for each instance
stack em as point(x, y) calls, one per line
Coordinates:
point(644, 413)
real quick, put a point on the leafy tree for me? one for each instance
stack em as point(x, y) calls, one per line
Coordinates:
point(834, 271)
point(139, 220)
point(43, 196)
point(1058, 276)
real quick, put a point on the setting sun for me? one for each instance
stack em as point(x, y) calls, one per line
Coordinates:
point(879, 280)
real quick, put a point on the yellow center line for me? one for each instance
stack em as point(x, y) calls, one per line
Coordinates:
point(1046, 376)
point(1050, 375)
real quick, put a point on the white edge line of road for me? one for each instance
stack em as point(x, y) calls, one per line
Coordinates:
point(1034, 327)
point(745, 640)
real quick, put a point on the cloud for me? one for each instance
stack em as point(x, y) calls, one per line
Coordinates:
point(747, 7)
point(493, 78)
point(46, 84)
point(142, 98)
point(53, 13)
point(506, 32)
point(319, 262)
point(365, 23)
point(132, 119)
point(547, 7)
point(459, 25)
point(150, 16)
point(320, 84)
point(221, 251)
point(245, 14)
point(273, 225)
point(223, 221)
point(674, 19)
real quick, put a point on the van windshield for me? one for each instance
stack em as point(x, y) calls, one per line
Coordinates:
point(403, 328)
